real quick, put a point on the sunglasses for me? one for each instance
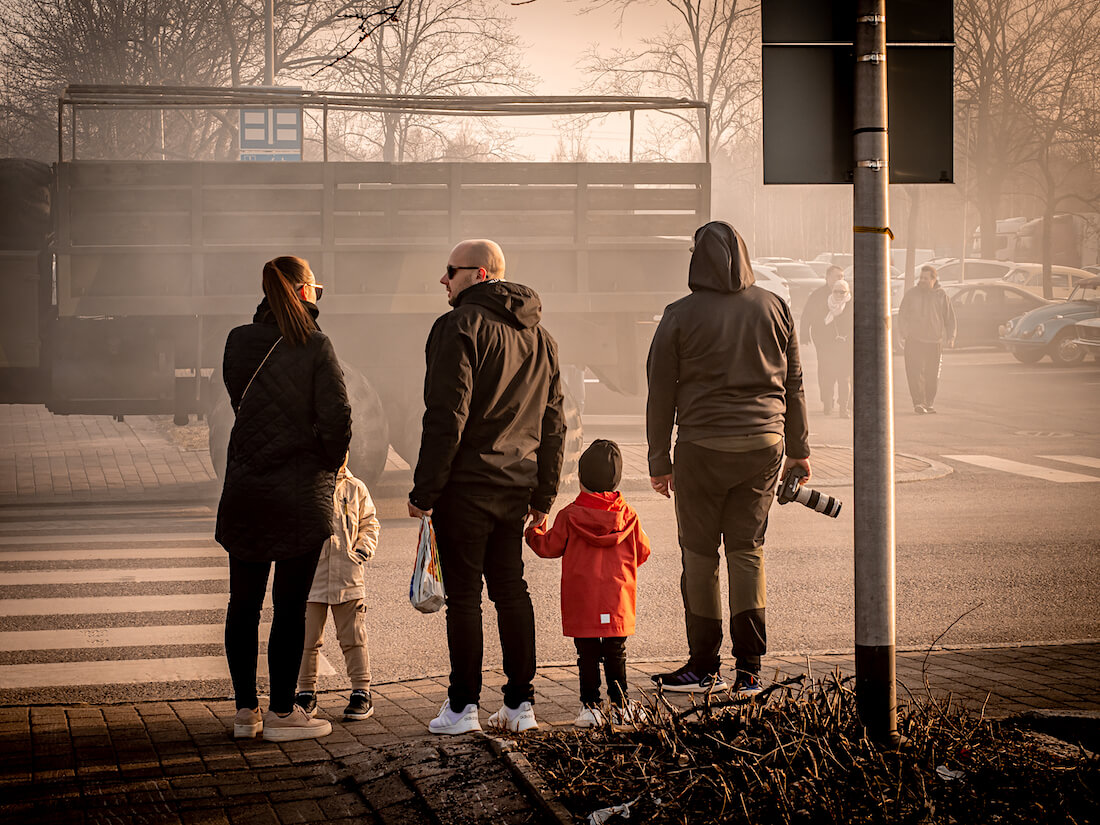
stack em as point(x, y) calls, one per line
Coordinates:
point(318, 288)
point(453, 270)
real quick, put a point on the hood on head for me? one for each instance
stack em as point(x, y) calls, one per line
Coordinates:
point(720, 262)
point(519, 305)
point(603, 519)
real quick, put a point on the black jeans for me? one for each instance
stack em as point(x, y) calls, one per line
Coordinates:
point(480, 535)
point(724, 498)
point(922, 369)
point(611, 650)
point(247, 586)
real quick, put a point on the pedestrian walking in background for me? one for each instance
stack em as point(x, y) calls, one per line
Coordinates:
point(926, 320)
point(339, 587)
point(724, 367)
point(812, 328)
point(490, 457)
point(834, 346)
point(601, 543)
point(290, 436)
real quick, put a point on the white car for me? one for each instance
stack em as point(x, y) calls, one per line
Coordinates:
point(767, 279)
point(1088, 336)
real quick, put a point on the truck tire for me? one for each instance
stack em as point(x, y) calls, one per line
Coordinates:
point(220, 422)
point(574, 439)
point(370, 434)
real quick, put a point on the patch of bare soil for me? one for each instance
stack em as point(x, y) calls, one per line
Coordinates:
point(798, 754)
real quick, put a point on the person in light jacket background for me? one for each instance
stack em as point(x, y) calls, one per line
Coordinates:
point(926, 321)
point(339, 586)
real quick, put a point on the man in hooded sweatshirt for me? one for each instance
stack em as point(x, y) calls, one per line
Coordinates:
point(724, 367)
point(490, 457)
point(926, 320)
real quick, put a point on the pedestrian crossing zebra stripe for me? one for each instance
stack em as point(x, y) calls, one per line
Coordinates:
point(128, 672)
point(97, 637)
point(117, 604)
point(115, 575)
point(100, 553)
point(1020, 468)
point(1083, 460)
point(206, 537)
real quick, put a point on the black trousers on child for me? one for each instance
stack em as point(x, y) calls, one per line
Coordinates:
point(611, 650)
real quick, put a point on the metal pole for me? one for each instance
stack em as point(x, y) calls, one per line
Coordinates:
point(966, 199)
point(60, 129)
point(876, 690)
point(324, 133)
point(269, 42)
point(631, 135)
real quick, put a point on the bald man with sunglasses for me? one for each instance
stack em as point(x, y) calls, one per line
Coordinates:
point(490, 458)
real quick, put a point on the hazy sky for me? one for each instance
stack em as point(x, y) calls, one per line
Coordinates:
point(557, 34)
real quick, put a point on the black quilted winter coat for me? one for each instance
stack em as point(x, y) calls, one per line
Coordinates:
point(292, 431)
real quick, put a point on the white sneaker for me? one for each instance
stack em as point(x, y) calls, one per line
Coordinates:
point(247, 723)
point(632, 713)
point(451, 723)
point(588, 718)
point(517, 721)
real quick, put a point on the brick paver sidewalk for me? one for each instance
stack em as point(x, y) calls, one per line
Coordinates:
point(175, 762)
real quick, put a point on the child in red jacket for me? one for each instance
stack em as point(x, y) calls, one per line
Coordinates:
point(601, 544)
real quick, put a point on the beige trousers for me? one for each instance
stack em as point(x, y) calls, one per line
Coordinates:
point(350, 619)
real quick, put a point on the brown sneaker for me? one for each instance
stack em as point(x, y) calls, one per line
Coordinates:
point(295, 725)
point(247, 723)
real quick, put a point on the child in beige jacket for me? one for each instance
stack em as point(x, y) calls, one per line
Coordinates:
point(338, 586)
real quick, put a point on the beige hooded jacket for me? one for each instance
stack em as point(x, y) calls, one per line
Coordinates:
point(355, 526)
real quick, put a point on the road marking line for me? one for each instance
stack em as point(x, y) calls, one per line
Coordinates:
point(117, 604)
point(1019, 468)
point(1083, 460)
point(129, 671)
point(93, 637)
point(92, 538)
point(103, 575)
point(94, 553)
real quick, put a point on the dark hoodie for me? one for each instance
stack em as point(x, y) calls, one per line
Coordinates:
point(492, 397)
point(724, 360)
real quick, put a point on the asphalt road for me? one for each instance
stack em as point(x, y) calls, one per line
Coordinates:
point(143, 586)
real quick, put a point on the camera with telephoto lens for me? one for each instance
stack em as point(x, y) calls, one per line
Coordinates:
point(791, 490)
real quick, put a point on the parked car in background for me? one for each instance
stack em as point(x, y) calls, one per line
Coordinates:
point(1030, 277)
point(801, 281)
point(1088, 336)
point(952, 270)
point(1050, 329)
point(841, 259)
point(982, 309)
point(766, 278)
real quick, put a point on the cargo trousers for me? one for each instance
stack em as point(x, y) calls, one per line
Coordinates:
point(723, 499)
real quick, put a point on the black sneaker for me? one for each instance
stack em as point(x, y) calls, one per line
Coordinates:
point(307, 701)
point(360, 706)
point(747, 684)
point(687, 680)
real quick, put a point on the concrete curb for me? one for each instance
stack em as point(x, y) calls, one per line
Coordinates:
point(531, 780)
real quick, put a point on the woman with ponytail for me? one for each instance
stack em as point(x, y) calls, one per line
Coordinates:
point(292, 431)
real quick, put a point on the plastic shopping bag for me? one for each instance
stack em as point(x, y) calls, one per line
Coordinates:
point(426, 587)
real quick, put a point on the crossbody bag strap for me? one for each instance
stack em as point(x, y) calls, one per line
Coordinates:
point(257, 372)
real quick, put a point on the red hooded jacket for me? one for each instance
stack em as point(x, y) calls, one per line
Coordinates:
point(601, 543)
